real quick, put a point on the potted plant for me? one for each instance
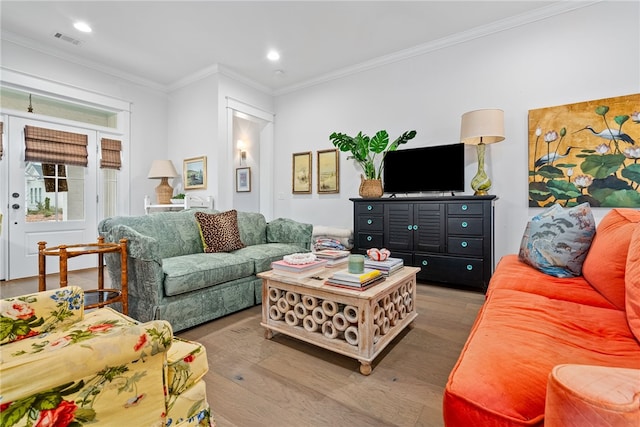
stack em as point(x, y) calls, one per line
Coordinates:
point(364, 151)
point(178, 199)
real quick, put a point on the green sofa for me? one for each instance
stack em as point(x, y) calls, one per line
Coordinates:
point(170, 276)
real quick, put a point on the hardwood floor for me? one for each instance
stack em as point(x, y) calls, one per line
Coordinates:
point(253, 381)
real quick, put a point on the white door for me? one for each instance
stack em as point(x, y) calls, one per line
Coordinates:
point(54, 203)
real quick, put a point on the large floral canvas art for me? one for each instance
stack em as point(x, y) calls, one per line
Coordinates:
point(586, 152)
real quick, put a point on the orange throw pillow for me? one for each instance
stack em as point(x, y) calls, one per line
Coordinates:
point(604, 267)
point(632, 288)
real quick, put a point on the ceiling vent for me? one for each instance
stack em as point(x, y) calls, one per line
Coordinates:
point(67, 39)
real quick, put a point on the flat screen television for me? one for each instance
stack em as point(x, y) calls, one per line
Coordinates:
point(426, 169)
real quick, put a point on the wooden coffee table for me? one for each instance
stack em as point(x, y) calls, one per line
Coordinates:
point(358, 324)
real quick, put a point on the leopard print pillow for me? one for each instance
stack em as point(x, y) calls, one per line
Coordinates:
point(219, 231)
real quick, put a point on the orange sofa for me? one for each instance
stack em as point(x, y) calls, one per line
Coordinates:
point(540, 343)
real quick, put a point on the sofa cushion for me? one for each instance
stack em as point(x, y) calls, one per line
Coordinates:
point(511, 273)
point(632, 286)
point(252, 226)
point(190, 272)
point(517, 339)
point(219, 231)
point(604, 267)
point(264, 255)
point(557, 240)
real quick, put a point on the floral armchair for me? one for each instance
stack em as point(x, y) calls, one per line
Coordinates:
point(60, 366)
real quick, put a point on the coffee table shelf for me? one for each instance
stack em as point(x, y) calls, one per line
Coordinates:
point(357, 324)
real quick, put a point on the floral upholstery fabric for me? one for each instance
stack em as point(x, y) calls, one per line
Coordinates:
point(94, 368)
point(219, 231)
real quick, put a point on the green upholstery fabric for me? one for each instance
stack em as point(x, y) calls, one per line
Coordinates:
point(171, 278)
point(264, 255)
point(188, 273)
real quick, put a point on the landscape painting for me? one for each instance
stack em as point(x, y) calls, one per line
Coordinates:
point(586, 152)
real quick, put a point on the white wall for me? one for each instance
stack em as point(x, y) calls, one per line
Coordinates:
point(148, 117)
point(589, 53)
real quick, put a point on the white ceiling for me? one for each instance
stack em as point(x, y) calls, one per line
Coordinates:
point(165, 43)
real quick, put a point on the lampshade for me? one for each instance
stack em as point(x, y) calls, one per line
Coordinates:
point(162, 169)
point(482, 127)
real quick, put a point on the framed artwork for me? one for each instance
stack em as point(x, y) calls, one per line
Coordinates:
point(328, 171)
point(243, 180)
point(301, 178)
point(194, 172)
point(586, 152)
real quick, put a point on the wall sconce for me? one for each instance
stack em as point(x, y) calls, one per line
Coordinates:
point(479, 128)
point(164, 170)
point(241, 152)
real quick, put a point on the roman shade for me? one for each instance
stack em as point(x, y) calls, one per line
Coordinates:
point(54, 146)
point(110, 150)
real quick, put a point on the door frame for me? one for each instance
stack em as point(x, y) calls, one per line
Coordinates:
point(63, 92)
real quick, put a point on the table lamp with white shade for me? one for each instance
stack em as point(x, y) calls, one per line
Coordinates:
point(479, 128)
point(164, 170)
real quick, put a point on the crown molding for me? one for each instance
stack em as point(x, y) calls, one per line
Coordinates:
point(475, 33)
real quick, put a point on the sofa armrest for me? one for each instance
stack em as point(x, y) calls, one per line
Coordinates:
point(284, 230)
point(583, 395)
point(30, 315)
point(105, 340)
point(139, 246)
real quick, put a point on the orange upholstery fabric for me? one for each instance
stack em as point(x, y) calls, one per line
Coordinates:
point(513, 274)
point(590, 396)
point(632, 288)
point(532, 322)
point(604, 267)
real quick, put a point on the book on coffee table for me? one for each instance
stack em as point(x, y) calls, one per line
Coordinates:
point(298, 270)
point(351, 285)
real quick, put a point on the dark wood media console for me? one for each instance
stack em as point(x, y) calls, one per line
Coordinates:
point(449, 237)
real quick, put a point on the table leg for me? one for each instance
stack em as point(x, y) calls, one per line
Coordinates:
point(365, 368)
point(268, 333)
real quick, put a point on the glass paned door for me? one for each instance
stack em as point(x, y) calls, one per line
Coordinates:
point(48, 202)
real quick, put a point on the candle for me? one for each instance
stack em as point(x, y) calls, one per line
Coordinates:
point(356, 264)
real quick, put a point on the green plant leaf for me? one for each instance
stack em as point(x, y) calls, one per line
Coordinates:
point(602, 110)
point(632, 172)
point(602, 166)
point(14, 413)
point(621, 119)
point(550, 172)
point(6, 326)
point(623, 199)
point(563, 190)
point(538, 191)
point(379, 141)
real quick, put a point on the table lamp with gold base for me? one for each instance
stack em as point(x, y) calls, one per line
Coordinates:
point(164, 170)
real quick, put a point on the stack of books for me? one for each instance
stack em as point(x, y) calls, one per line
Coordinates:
point(386, 267)
point(313, 268)
point(334, 257)
point(361, 281)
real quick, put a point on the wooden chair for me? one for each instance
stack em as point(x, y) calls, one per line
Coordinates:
point(94, 298)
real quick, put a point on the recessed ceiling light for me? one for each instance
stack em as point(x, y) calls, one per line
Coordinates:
point(273, 55)
point(82, 26)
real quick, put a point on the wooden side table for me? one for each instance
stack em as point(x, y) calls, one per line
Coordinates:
point(94, 298)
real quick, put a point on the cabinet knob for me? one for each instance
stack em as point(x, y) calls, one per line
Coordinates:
point(415, 227)
point(464, 224)
point(425, 262)
point(369, 221)
point(409, 227)
point(469, 267)
point(369, 238)
point(464, 244)
point(369, 207)
point(465, 207)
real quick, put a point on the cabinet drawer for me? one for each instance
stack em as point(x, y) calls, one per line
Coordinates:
point(373, 208)
point(470, 208)
point(464, 225)
point(369, 240)
point(465, 246)
point(370, 223)
point(457, 270)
